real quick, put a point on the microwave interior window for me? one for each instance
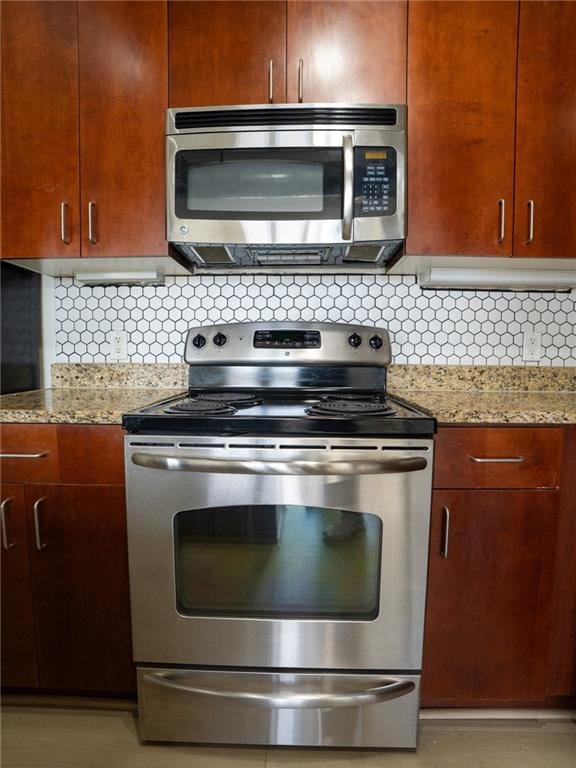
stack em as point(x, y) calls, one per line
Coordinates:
point(259, 184)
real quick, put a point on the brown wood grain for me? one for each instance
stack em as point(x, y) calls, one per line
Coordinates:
point(220, 52)
point(461, 118)
point(540, 447)
point(40, 155)
point(80, 586)
point(123, 97)
point(562, 657)
point(19, 664)
point(489, 602)
point(546, 129)
point(29, 438)
point(351, 51)
point(91, 454)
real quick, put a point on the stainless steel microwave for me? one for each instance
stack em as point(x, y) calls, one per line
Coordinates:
point(287, 185)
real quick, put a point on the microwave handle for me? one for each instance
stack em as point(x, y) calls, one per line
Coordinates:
point(348, 187)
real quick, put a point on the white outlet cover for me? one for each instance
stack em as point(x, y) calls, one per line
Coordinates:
point(532, 346)
point(118, 345)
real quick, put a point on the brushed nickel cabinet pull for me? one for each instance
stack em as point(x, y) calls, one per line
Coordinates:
point(530, 222)
point(37, 504)
point(300, 80)
point(91, 223)
point(23, 455)
point(271, 81)
point(497, 459)
point(64, 223)
point(3, 508)
point(502, 226)
point(445, 532)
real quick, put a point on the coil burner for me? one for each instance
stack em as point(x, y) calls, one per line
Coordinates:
point(350, 408)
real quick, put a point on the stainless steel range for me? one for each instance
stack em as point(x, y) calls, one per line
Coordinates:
point(278, 518)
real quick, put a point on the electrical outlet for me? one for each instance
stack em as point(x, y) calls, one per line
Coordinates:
point(532, 346)
point(118, 345)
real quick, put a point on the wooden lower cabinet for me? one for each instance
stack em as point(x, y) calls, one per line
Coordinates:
point(490, 584)
point(19, 664)
point(79, 569)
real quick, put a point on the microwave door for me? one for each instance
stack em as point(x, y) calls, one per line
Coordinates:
point(273, 188)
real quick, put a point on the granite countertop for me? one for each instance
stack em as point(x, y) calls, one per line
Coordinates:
point(101, 393)
point(77, 406)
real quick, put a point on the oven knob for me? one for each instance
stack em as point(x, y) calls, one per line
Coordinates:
point(354, 340)
point(376, 342)
point(220, 339)
point(199, 341)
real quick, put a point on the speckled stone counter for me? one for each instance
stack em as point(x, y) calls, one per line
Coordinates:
point(101, 393)
point(495, 407)
point(77, 406)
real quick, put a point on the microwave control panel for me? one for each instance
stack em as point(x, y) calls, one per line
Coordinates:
point(374, 181)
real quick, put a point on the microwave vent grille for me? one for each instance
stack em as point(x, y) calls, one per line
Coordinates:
point(288, 116)
point(289, 256)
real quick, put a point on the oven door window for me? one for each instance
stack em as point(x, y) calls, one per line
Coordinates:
point(278, 561)
point(276, 184)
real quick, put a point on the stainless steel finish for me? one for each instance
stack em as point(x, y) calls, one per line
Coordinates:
point(270, 81)
point(445, 532)
point(36, 512)
point(295, 232)
point(502, 220)
point(530, 222)
point(91, 226)
point(348, 187)
point(328, 709)
point(300, 80)
point(498, 460)
point(243, 377)
point(335, 349)
point(3, 508)
point(401, 500)
point(39, 455)
point(285, 697)
point(252, 467)
point(64, 223)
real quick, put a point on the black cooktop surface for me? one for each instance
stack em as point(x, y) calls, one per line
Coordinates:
point(266, 412)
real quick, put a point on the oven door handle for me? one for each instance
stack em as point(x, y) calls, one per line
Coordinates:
point(255, 467)
point(385, 690)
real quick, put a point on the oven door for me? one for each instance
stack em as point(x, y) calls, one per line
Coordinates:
point(295, 556)
point(285, 187)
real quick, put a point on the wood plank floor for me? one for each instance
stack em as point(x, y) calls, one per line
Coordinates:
point(80, 738)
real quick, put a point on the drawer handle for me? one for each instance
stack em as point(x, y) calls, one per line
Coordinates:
point(445, 532)
point(3, 508)
point(498, 459)
point(37, 503)
point(23, 455)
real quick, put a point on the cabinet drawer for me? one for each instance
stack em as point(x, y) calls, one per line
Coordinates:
point(91, 454)
point(498, 457)
point(28, 453)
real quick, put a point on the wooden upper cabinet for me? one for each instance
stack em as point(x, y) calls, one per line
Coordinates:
point(346, 51)
point(227, 52)
point(40, 196)
point(123, 97)
point(461, 125)
point(546, 131)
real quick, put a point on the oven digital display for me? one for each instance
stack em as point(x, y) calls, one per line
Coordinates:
point(287, 340)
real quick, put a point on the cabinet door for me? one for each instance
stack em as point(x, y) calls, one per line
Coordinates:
point(80, 586)
point(489, 597)
point(461, 114)
point(546, 131)
point(123, 49)
point(347, 51)
point(229, 52)
point(40, 196)
point(19, 666)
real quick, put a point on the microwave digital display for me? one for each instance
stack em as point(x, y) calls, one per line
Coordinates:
point(374, 181)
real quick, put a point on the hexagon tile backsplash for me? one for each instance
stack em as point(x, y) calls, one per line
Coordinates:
point(443, 327)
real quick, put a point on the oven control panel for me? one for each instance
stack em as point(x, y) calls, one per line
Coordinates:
point(285, 339)
point(287, 343)
point(374, 181)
